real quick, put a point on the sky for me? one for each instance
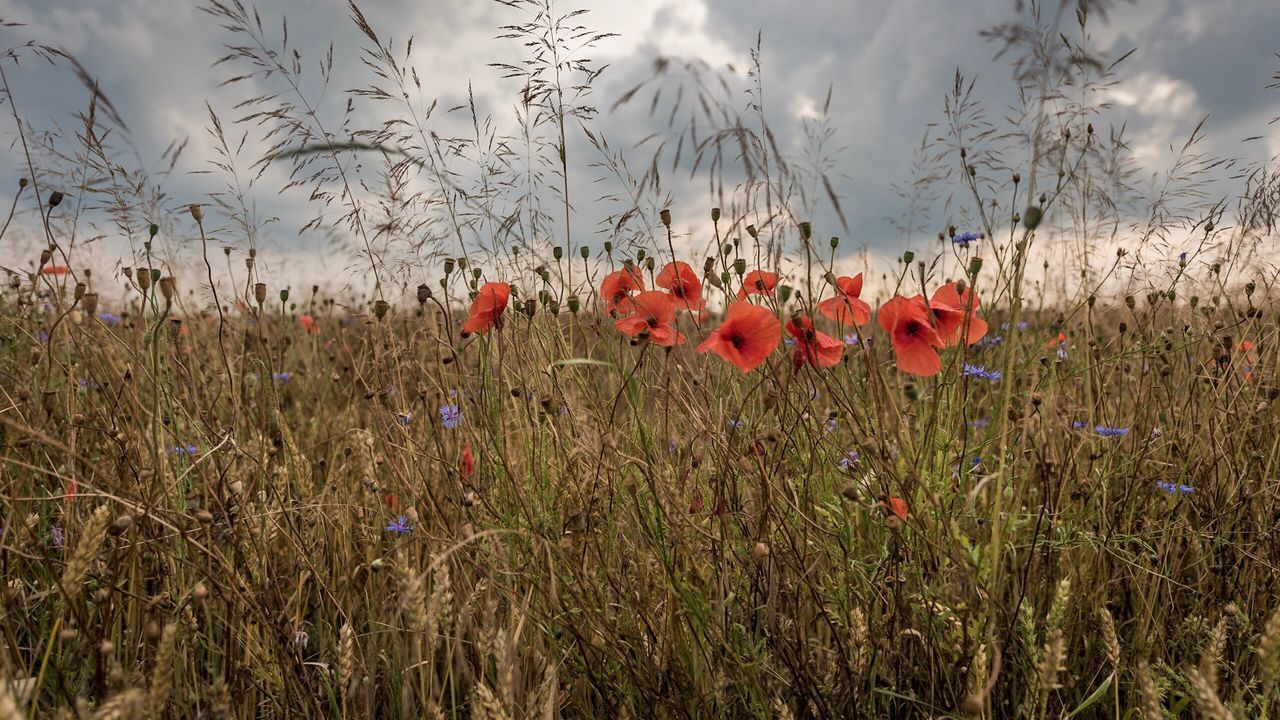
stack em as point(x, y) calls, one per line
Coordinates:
point(888, 65)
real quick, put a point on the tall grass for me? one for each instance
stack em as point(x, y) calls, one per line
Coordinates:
point(226, 498)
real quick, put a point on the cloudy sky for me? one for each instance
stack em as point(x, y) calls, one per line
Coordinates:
point(889, 64)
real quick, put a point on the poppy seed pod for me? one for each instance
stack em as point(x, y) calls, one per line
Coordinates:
point(90, 303)
point(260, 292)
point(79, 291)
point(753, 232)
point(167, 288)
point(45, 256)
point(424, 294)
point(908, 257)
point(975, 266)
point(715, 214)
point(448, 266)
point(574, 304)
point(740, 266)
point(462, 263)
point(665, 216)
point(22, 182)
point(144, 280)
point(284, 295)
point(127, 272)
point(585, 252)
point(806, 230)
point(197, 213)
point(557, 252)
point(608, 247)
point(55, 198)
point(154, 230)
point(708, 265)
point(640, 255)
point(835, 242)
point(380, 309)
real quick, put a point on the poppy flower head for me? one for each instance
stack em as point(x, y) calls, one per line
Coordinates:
point(654, 312)
point(746, 337)
point(952, 310)
point(467, 462)
point(54, 270)
point(758, 282)
point(308, 323)
point(682, 282)
point(617, 288)
point(895, 506)
point(846, 308)
point(915, 341)
point(487, 307)
point(812, 347)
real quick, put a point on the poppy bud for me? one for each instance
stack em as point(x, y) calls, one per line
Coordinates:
point(574, 304)
point(960, 287)
point(665, 216)
point(553, 307)
point(648, 264)
point(740, 266)
point(1031, 218)
point(1017, 178)
point(728, 248)
point(127, 272)
point(1208, 227)
point(55, 198)
point(45, 256)
point(22, 183)
point(530, 306)
point(608, 247)
point(557, 252)
point(908, 256)
point(1249, 287)
point(784, 293)
point(715, 214)
point(585, 252)
point(951, 231)
point(424, 294)
point(806, 230)
point(260, 292)
point(835, 242)
point(708, 265)
point(718, 280)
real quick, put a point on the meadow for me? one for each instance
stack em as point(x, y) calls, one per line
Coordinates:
point(1027, 469)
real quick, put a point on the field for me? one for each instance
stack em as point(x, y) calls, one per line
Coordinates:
point(1028, 470)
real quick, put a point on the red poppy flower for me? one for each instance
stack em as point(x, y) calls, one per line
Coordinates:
point(486, 309)
point(308, 324)
point(466, 463)
point(746, 337)
point(617, 287)
point(758, 282)
point(54, 270)
point(393, 501)
point(812, 347)
point(914, 340)
point(654, 313)
point(1058, 341)
point(683, 284)
point(1246, 345)
point(895, 505)
point(845, 308)
point(950, 310)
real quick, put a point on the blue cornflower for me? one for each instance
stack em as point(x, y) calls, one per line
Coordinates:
point(1105, 431)
point(109, 319)
point(187, 451)
point(966, 237)
point(736, 423)
point(1182, 259)
point(282, 377)
point(451, 415)
point(42, 336)
point(1062, 351)
point(57, 536)
point(399, 526)
point(851, 339)
point(831, 425)
point(979, 423)
point(850, 458)
point(790, 342)
point(1175, 488)
point(976, 461)
point(1021, 325)
point(404, 417)
point(991, 340)
point(1079, 425)
point(979, 371)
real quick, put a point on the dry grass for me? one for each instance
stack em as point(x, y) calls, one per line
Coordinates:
point(211, 506)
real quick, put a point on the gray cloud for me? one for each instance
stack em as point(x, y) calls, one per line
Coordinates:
point(889, 65)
